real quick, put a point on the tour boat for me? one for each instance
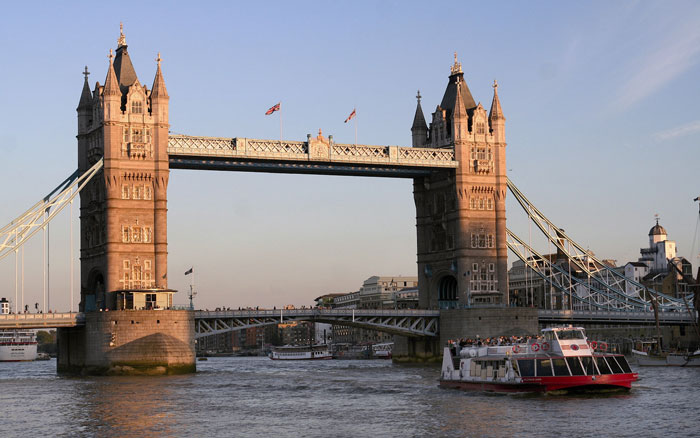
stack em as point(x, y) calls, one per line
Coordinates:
point(17, 345)
point(301, 352)
point(382, 351)
point(562, 360)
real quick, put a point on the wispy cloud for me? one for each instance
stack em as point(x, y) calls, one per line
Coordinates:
point(675, 52)
point(678, 131)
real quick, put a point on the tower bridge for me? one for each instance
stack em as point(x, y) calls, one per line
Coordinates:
point(458, 166)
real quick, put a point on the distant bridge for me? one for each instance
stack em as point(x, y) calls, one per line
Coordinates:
point(411, 323)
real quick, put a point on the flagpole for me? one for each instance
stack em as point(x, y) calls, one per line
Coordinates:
point(280, 125)
point(355, 109)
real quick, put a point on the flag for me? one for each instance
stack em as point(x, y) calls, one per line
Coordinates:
point(352, 114)
point(189, 271)
point(273, 108)
point(165, 276)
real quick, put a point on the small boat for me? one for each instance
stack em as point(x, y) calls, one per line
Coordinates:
point(301, 352)
point(666, 359)
point(562, 360)
point(43, 356)
point(382, 351)
point(17, 345)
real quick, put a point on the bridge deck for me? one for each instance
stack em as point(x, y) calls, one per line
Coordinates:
point(247, 154)
point(27, 321)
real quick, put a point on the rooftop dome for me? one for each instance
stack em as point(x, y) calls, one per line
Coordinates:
point(657, 230)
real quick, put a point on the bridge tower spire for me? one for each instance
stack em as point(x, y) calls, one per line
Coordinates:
point(462, 252)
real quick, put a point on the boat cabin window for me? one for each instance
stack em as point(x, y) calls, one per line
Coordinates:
point(588, 365)
point(560, 368)
point(623, 363)
point(614, 366)
point(567, 335)
point(575, 366)
point(527, 367)
point(544, 367)
point(549, 337)
point(603, 365)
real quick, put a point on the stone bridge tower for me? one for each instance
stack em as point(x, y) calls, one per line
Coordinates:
point(124, 213)
point(461, 221)
point(129, 325)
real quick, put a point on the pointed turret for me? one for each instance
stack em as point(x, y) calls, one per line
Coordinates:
point(496, 118)
point(419, 130)
point(158, 90)
point(111, 83)
point(159, 96)
point(86, 95)
point(460, 119)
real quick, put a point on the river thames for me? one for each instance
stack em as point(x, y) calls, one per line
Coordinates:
point(252, 397)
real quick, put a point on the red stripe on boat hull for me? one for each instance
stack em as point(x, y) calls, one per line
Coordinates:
point(547, 384)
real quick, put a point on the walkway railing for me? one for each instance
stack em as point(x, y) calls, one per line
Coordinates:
point(41, 320)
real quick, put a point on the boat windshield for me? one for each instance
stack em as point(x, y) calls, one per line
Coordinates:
point(566, 335)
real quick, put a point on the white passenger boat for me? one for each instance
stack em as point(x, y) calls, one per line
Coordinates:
point(301, 352)
point(382, 351)
point(562, 360)
point(17, 345)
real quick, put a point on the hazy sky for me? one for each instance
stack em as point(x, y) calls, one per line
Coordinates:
point(601, 101)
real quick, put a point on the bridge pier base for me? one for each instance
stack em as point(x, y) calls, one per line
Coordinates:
point(130, 342)
point(416, 350)
point(487, 322)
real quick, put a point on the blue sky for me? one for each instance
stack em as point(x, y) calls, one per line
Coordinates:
point(601, 101)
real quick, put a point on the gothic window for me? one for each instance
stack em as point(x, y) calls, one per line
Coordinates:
point(489, 204)
point(474, 240)
point(491, 267)
point(137, 135)
point(126, 135)
point(147, 235)
point(137, 107)
point(481, 203)
point(136, 234)
point(147, 278)
point(147, 192)
point(148, 135)
point(488, 154)
point(137, 192)
point(482, 241)
point(490, 241)
point(481, 153)
point(147, 265)
point(126, 264)
point(480, 128)
point(473, 154)
point(475, 267)
point(126, 280)
point(125, 234)
point(125, 192)
point(472, 203)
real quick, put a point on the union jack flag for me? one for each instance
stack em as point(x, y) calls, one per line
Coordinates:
point(273, 109)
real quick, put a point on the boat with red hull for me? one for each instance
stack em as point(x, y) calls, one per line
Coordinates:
point(562, 360)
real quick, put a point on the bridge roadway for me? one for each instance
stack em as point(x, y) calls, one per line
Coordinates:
point(401, 322)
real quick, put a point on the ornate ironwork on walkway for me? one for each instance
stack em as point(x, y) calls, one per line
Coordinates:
point(189, 152)
point(414, 323)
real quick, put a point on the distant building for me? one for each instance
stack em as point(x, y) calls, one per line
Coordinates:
point(660, 269)
point(377, 292)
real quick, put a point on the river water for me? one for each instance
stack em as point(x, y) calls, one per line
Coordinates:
point(257, 397)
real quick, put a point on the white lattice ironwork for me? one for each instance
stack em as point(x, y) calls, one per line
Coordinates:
point(26, 321)
point(415, 323)
point(17, 232)
point(246, 148)
point(602, 286)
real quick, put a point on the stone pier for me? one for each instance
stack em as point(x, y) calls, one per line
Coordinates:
point(147, 342)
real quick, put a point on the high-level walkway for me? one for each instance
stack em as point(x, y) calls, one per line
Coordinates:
point(312, 157)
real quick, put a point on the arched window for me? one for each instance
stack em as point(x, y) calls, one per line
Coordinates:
point(447, 293)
